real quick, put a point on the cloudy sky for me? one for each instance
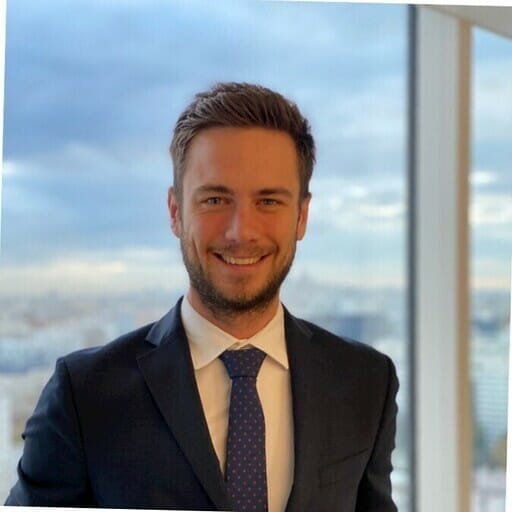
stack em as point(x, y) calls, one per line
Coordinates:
point(93, 90)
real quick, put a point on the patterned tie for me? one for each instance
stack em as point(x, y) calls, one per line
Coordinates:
point(246, 475)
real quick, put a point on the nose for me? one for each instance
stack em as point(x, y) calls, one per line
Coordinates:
point(243, 224)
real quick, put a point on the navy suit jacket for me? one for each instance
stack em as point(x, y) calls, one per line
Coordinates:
point(121, 426)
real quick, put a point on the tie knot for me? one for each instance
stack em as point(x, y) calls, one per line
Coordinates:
point(243, 363)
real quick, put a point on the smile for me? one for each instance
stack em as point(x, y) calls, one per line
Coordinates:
point(239, 261)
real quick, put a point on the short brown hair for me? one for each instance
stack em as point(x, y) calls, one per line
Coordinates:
point(234, 104)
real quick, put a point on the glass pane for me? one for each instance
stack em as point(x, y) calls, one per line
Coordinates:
point(491, 246)
point(92, 91)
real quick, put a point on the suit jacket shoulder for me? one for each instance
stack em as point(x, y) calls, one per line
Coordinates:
point(124, 348)
point(341, 354)
point(112, 428)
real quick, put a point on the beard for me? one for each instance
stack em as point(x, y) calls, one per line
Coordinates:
point(220, 302)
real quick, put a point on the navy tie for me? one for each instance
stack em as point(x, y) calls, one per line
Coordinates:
point(246, 472)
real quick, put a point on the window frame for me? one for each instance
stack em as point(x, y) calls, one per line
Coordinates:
point(439, 253)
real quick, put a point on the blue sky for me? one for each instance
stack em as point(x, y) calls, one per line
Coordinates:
point(92, 92)
point(491, 199)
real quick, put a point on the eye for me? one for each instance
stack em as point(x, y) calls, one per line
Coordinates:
point(268, 201)
point(214, 201)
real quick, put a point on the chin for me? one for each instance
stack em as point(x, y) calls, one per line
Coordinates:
point(245, 303)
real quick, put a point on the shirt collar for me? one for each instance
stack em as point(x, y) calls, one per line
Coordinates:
point(207, 341)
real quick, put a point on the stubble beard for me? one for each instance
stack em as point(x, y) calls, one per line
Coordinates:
point(230, 306)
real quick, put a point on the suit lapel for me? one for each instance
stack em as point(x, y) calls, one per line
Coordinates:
point(308, 382)
point(169, 374)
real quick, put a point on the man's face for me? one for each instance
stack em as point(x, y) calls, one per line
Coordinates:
point(239, 216)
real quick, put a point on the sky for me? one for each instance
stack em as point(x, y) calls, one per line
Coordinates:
point(491, 179)
point(92, 92)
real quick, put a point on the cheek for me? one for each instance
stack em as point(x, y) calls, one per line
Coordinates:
point(214, 224)
point(201, 231)
point(285, 241)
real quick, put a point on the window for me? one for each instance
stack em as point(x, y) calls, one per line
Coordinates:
point(92, 92)
point(491, 250)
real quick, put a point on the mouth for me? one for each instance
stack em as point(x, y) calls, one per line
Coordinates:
point(239, 261)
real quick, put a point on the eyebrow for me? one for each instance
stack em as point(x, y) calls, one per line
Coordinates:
point(221, 189)
point(281, 191)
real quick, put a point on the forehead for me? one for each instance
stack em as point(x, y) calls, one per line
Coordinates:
point(252, 156)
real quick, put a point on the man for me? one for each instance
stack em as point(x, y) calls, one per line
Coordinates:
point(228, 402)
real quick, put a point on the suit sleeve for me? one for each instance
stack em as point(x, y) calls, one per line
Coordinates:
point(52, 470)
point(374, 494)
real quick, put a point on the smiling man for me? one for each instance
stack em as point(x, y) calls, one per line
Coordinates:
point(238, 213)
point(228, 402)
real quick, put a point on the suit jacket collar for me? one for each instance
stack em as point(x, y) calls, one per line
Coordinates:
point(169, 374)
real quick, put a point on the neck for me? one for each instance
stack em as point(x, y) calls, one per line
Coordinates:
point(241, 325)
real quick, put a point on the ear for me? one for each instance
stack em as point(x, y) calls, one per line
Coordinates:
point(303, 217)
point(174, 212)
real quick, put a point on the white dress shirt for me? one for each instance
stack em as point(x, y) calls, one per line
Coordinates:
point(207, 342)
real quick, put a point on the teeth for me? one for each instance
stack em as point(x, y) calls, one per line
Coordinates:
point(239, 261)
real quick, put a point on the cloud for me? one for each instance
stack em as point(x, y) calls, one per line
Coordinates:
point(374, 112)
point(365, 206)
point(121, 272)
point(97, 72)
point(492, 210)
point(490, 272)
point(492, 98)
point(9, 169)
point(81, 198)
point(483, 178)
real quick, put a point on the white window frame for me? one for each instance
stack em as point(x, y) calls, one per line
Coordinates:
point(439, 230)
